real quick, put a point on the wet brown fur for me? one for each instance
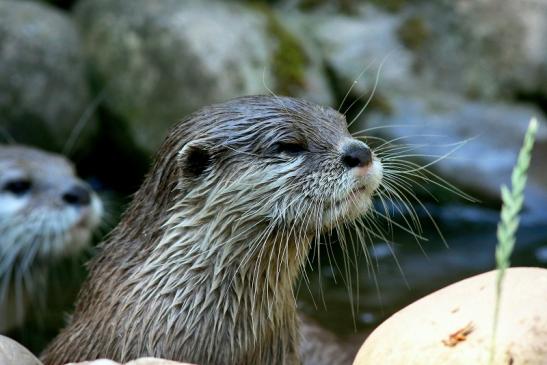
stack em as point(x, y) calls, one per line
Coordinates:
point(202, 266)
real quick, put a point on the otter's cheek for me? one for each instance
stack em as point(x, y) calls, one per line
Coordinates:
point(375, 175)
point(96, 212)
point(10, 205)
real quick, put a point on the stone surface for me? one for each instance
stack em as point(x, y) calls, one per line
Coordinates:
point(160, 60)
point(356, 46)
point(480, 141)
point(12, 353)
point(454, 325)
point(44, 92)
point(484, 49)
point(316, 87)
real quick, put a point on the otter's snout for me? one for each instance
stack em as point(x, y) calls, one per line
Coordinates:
point(357, 155)
point(78, 195)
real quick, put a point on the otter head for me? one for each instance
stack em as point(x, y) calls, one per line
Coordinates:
point(285, 162)
point(203, 264)
point(46, 211)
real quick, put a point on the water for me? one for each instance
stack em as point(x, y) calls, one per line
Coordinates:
point(403, 271)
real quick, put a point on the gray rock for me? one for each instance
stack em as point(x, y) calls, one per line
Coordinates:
point(480, 141)
point(484, 49)
point(356, 46)
point(481, 49)
point(317, 88)
point(160, 60)
point(44, 92)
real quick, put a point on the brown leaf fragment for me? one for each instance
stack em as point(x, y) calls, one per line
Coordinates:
point(459, 336)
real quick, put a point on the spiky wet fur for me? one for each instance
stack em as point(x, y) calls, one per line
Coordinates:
point(202, 266)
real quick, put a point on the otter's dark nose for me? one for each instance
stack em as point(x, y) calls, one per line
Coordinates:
point(357, 155)
point(77, 195)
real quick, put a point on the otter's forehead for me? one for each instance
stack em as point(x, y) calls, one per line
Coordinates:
point(294, 112)
point(268, 118)
point(26, 161)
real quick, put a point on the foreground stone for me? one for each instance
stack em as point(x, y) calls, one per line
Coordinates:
point(453, 326)
point(12, 353)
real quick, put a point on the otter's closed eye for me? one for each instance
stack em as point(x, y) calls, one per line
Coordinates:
point(290, 148)
point(17, 187)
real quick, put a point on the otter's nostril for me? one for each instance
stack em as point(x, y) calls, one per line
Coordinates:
point(77, 195)
point(357, 156)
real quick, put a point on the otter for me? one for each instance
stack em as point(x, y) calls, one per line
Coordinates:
point(202, 266)
point(46, 213)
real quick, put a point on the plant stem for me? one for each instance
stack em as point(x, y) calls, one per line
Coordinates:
point(509, 222)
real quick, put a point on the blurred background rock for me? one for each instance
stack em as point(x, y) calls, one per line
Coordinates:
point(102, 81)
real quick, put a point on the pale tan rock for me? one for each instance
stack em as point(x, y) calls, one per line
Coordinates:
point(12, 353)
point(453, 326)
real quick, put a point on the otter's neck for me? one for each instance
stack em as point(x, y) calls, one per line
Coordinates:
point(213, 288)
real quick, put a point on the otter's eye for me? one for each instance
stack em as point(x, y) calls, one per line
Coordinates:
point(17, 187)
point(290, 148)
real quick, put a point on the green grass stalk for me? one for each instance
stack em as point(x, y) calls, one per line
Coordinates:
point(509, 222)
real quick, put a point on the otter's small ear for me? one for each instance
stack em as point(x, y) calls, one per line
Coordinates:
point(195, 158)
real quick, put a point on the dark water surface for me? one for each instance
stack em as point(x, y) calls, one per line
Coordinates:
point(403, 272)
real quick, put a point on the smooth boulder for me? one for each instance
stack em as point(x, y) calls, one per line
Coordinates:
point(12, 353)
point(453, 326)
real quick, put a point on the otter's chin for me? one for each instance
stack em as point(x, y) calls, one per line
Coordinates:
point(90, 219)
point(357, 201)
point(347, 210)
point(78, 234)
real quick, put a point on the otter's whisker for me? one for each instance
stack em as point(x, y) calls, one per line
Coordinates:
point(430, 177)
point(353, 84)
point(372, 93)
point(414, 223)
point(430, 217)
point(80, 124)
point(364, 133)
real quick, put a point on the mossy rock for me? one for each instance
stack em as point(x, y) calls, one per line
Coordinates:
point(413, 32)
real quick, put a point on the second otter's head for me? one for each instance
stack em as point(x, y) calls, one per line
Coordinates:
point(46, 211)
point(280, 161)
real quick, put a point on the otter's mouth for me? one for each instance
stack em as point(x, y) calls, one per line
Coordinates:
point(352, 196)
